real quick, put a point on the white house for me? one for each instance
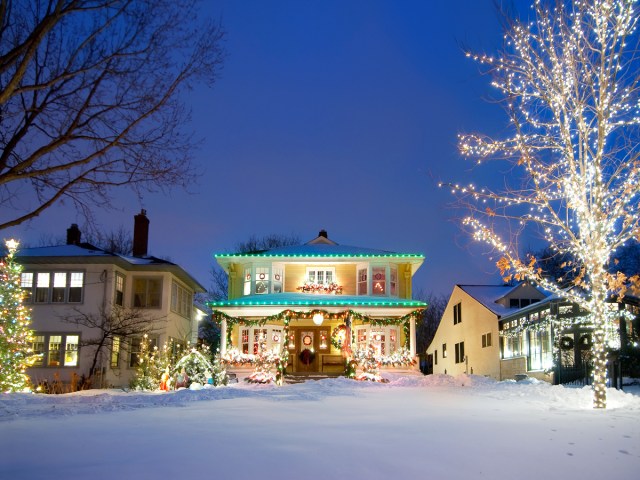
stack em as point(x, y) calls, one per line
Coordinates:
point(78, 280)
point(468, 338)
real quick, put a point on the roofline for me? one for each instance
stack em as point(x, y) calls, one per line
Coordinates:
point(301, 256)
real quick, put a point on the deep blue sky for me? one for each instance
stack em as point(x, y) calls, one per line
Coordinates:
point(340, 115)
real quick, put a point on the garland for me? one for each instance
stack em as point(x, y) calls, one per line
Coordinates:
point(338, 336)
point(319, 288)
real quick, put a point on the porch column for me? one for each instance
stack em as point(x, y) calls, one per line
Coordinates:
point(412, 336)
point(223, 336)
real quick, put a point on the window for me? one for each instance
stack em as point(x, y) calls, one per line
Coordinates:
point(486, 340)
point(460, 352)
point(135, 349)
point(256, 339)
point(262, 280)
point(115, 352)
point(147, 292)
point(247, 282)
point(71, 351)
point(321, 276)
point(444, 350)
point(457, 313)
point(181, 300)
point(378, 281)
point(56, 350)
point(119, 287)
point(54, 287)
point(362, 281)
point(521, 302)
point(393, 281)
point(38, 349)
point(26, 282)
point(277, 279)
point(435, 357)
point(384, 340)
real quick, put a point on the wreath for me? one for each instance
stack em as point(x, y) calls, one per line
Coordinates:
point(566, 343)
point(585, 341)
point(338, 336)
point(307, 356)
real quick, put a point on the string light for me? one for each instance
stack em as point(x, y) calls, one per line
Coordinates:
point(569, 83)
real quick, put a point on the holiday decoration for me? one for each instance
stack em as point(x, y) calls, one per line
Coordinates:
point(16, 352)
point(568, 75)
point(338, 336)
point(265, 362)
point(195, 366)
point(320, 288)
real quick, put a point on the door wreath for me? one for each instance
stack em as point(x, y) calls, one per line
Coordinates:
point(307, 356)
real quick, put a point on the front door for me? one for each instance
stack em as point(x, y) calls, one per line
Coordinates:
point(307, 360)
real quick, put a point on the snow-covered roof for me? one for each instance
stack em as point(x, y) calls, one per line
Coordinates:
point(86, 253)
point(321, 248)
point(489, 295)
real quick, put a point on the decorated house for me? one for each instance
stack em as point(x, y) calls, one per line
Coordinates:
point(90, 308)
point(320, 307)
point(468, 337)
point(551, 340)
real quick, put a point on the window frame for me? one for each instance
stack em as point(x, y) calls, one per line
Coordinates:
point(457, 313)
point(147, 294)
point(486, 340)
point(460, 356)
point(43, 339)
point(386, 345)
point(50, 291)
point(181, 300)
point(119, 281)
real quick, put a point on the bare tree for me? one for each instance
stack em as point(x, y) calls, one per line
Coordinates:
point(569, 80)
point(218, 289)
point(431, 317)
point(90, 99)
point(109, 324)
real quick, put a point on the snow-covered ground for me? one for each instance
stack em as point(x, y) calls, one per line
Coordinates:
point(434, 427)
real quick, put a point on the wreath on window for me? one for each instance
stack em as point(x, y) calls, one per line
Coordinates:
point(307, 356)
point(585, 341)
point(566, 343)
point(338, 336)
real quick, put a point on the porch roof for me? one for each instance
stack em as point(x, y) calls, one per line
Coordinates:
point(266, 305)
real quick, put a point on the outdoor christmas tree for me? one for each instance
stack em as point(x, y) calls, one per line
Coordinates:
point(15, 335)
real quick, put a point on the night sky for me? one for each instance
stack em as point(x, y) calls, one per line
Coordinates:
point(337, 115)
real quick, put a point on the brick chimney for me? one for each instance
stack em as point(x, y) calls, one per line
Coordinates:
point(73, 235)
point(140, 234)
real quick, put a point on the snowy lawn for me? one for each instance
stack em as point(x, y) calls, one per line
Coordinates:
point(434, 427)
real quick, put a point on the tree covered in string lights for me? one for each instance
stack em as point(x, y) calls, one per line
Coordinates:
point(570, 85)
point(15, 334)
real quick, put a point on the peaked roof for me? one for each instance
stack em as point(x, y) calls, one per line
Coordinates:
point(321, 247)
point(85, 253)
point(489, 295)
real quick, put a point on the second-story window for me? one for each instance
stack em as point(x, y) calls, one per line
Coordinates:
point(147, 292)
point(54, 287)
point(277, 279)
point(457, 313)
point(378, 280)
point(118, 298)
point(321, 276)
point(262, 280)
point(362, 281)
point(246, 289)
point(393, 281)
point(181, 300)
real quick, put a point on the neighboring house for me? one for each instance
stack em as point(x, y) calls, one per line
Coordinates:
point(546, 340)
point(67, 281)
point(300, 298)
point(467, 339)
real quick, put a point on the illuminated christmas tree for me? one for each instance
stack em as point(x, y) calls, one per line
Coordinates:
point(569, 80)
point(15, 334)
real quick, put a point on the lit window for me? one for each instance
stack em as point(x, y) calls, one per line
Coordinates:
point(75, 286)
point(393, 281)
point(115, 352)
point(38, 350)
point(362, 281)
point(26, 282)
point(71, 351)
point(59, 287)
point(277, 280)
point(384, 340)
point(147, 292)
point(247, 281)
point(42, 287)
point(321, 276)
point(60, 350)
point(444, 350)
point(262, 280)
point(378, 281)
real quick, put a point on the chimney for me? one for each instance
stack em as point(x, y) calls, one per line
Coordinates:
point(323, 233)
point(73, 235)
point(140, 234)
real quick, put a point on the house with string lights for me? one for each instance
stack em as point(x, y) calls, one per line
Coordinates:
point(314, 308)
